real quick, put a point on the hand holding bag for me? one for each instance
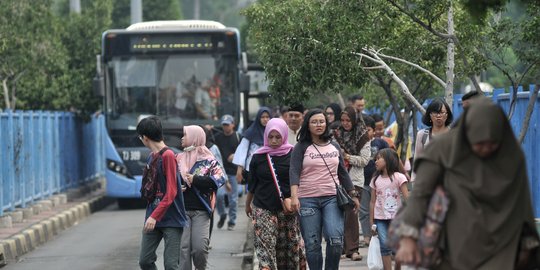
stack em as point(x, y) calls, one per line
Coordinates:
point(429, 238)
point(344, 201)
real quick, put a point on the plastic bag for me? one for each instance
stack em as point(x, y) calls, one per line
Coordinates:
point(374, 258)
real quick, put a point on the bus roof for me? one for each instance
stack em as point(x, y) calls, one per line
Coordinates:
point(176, 25)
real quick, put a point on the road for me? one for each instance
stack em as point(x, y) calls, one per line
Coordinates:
point(110, 239)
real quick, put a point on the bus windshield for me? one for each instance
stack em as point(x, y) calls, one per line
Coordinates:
point(182, 89)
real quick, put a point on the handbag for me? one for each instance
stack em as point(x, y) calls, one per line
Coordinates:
point(429, 237)
point(344, 200)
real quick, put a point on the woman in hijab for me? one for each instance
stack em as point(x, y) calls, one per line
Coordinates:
point(202, 175)
point(253, 140)
point(277, 241)
point(333, 113)
point(490, 222)
point(353, 139)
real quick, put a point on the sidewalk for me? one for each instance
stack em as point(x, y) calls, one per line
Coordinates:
point(23, 230)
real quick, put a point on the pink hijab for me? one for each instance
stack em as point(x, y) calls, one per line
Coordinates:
point(196, 150)
point(280, 126)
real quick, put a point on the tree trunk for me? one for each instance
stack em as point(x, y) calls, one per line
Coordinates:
point(405, 132)
point(530, 108)
point(513, 99)
point(6, 93)
point(450, 64)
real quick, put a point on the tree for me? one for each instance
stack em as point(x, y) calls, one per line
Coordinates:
point(310, 47)
point(33, 66)
point(81, 36)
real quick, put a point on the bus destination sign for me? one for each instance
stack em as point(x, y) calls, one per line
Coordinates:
point(169, 43)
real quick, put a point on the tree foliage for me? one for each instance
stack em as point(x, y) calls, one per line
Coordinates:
point(81, 36)
point(33, 66)
point(309, 46)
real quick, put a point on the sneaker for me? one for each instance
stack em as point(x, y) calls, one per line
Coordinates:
point(230, 227)
point(221, 221)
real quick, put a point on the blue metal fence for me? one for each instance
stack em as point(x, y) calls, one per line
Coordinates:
point(43, 153)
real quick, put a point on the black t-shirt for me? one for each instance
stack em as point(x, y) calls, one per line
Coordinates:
point(262, 184)
point(376, 145)
point(227, 145)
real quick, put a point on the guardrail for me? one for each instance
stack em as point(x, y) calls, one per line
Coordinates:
point(44, 152)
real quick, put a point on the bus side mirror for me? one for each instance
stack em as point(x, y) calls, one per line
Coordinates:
point(99, 86)
point(98, 83)
point(244, 83)
point(244, 64)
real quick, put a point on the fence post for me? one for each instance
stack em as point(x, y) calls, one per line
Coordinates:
point(19, 169)
point(31, 157)
point(10, 161)
point(3, 166)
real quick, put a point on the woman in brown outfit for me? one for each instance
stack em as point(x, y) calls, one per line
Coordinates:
point(490, 221)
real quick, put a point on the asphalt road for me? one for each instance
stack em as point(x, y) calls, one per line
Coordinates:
point(110, 239)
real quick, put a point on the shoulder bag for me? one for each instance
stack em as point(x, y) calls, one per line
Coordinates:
point(344, 201)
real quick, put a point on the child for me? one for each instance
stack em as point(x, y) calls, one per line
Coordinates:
point(165, 213)
point(386, 185)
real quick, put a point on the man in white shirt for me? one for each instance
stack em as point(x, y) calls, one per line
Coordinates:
point(295, 117)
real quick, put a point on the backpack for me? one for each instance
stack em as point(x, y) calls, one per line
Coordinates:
point(150, 182)
point(425, 136)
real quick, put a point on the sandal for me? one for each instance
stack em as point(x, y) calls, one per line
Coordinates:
point(356, 257)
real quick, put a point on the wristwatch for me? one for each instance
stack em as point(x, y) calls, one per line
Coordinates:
point(353, 193)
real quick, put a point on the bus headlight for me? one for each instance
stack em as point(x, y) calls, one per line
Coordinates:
point(117, 167)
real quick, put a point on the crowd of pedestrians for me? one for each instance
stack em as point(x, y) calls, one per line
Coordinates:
point(290, 162)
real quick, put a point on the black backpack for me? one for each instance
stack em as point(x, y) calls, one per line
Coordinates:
point(150, 182)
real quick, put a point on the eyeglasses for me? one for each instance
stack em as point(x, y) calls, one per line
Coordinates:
point(318, 123)
point(438, 113)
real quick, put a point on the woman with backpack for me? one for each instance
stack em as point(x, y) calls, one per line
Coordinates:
point(438, 118)
point(202, 175)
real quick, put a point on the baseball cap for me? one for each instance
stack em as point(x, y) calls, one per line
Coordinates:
point(227, 119)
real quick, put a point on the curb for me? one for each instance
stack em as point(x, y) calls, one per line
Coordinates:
point(43, 231)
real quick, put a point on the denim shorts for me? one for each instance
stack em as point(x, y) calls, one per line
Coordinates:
point(382, 230)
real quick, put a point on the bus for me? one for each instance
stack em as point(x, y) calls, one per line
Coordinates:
point(185, 72)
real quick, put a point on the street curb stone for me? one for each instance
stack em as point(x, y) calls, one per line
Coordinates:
point(38, 234)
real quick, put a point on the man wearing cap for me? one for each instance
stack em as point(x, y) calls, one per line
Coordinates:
point(295, 116)
point(227, 143)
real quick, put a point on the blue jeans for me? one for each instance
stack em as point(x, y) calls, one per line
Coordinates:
point(382, 231)
point(233, 200)
point(321, 215)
